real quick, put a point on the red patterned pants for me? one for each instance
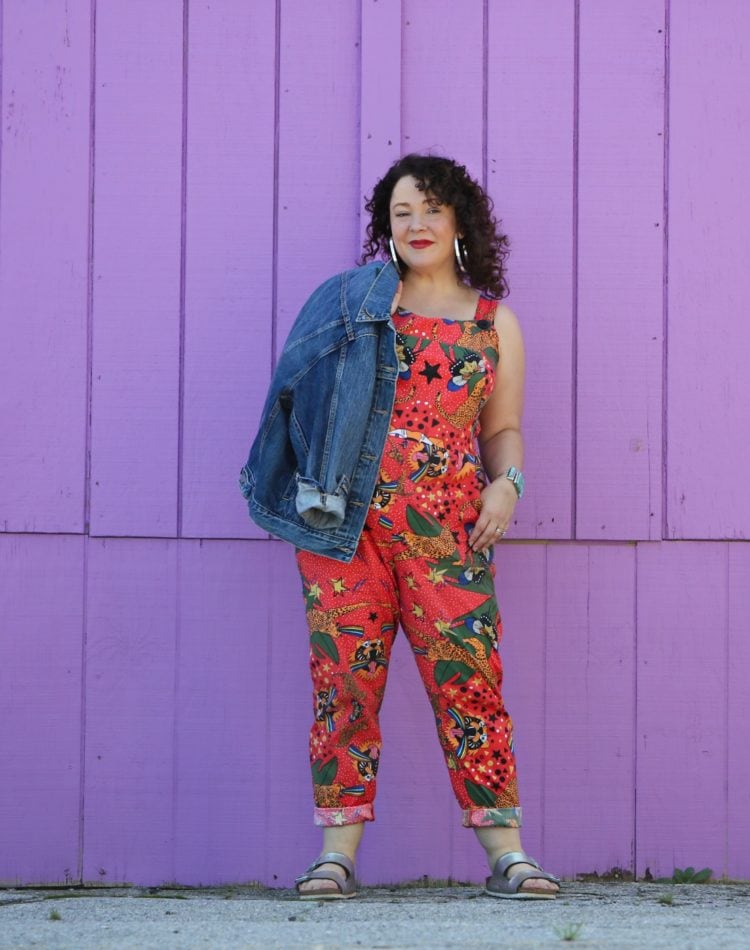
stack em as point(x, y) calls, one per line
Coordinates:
point(425, 577)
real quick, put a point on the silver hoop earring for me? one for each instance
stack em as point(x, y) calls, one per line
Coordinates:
point(394, 256)
point(462, 257)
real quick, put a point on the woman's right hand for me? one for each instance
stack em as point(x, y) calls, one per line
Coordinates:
point(397, 297)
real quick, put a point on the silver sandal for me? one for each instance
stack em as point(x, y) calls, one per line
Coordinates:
point(500, 885)
point(346, 886)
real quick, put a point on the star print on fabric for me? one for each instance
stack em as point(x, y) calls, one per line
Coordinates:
point(430, 481)
point(436, 575)
point(430, 372)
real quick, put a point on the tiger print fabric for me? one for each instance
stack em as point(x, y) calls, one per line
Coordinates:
point(413, 567)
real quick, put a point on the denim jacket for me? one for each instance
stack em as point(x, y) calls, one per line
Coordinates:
point(313, 466)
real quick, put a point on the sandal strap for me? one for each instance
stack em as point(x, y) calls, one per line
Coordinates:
point(510, 858)
point(330, 857)
point(520, 877)
point(336, 857)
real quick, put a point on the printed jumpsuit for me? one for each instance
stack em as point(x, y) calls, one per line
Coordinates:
point(413, 566)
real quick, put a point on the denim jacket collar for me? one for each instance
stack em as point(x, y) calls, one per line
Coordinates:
point(377, 303)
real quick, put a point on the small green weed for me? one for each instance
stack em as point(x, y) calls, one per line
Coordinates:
point(667, 900)
point(691, 876)
point(569, 932)
point(686, 876)
point(54, 915)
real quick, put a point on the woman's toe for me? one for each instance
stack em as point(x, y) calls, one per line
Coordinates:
point(320, 885)
point(538, 884)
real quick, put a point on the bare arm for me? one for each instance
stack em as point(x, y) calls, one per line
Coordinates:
point(500, 439)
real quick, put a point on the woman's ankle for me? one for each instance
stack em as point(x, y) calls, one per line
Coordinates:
point(345, 839)
point(498, 841)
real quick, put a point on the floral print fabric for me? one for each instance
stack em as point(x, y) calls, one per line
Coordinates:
point(414, 567)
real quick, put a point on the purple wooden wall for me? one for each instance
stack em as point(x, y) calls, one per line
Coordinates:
point(175, 178)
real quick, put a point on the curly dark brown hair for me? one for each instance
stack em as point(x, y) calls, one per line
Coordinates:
point(486, 246)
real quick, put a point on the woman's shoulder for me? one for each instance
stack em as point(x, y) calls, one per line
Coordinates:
point(505, 316)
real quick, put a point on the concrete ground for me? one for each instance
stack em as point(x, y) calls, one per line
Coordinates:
point(596, 914)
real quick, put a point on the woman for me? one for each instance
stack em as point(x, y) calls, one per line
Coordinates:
point(447, 478)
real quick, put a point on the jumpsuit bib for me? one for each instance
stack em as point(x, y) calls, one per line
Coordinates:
point(414, 567)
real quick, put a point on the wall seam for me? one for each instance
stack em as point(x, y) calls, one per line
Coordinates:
point(274, 333)
point(574, 341)
point(180, 443)
point(543, 802)
point(727, 681)
point(552, 542)
point(665, 284)
point(178, 588)
point(183, 246)
point(85, 540)
point(401, 97)
point(275, 223)
point(636, 726)
point(2, 112)
point(360, 151)
point(90, 277)
point(485, 88)
point(83, 708)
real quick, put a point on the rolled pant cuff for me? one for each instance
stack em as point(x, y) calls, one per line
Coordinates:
point(352, 815)
point(492, 818)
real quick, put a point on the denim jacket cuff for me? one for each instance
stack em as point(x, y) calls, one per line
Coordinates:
point(318, 508)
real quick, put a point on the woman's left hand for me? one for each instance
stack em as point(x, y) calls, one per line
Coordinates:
point(498, 504)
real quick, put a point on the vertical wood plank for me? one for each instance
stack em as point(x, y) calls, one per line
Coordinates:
point(709, 280)
point(738, 712)
point(221, 729)
point(44, 182)
point(590, 704)
point(318, 202)
point(41, 633)
point(229, 258)
point(620, 270)
point(129, 821)
point(443, 80)
point(681, 810)
point(136, 269)
point(530, 172)
point(380, 101)
point(290, 832)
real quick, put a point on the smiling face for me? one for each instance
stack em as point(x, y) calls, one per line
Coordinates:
point(423, 229)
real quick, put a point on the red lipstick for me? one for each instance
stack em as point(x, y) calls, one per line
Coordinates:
point(420, 244)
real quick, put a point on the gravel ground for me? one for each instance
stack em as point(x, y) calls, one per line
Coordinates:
point(597, 914)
